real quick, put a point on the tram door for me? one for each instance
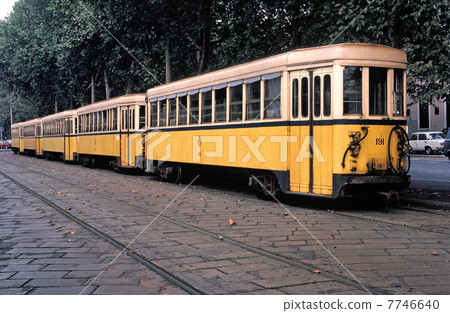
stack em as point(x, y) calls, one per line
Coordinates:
point(67, 131)
point(311, 126)
point(127, 115)
point(321, 132)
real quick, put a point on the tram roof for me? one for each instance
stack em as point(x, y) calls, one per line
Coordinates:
point(112, 103)
point(301, 59)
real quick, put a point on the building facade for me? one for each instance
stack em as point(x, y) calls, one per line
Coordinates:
point(427, 118)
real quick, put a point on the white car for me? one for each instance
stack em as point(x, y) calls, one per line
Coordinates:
point(427, 141)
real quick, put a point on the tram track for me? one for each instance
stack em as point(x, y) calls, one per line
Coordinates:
point(257, 250)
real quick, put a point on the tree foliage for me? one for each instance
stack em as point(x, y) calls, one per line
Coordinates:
point(51, 49)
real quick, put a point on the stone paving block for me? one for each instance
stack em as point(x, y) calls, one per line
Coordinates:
point(12, 283)
point(289, 281)
point(51, 282)
point(126, 290)
point(40, 274)
point(20, 268)
point(62, 290)
point(16, 261)
point(15, 291)
point(90, 274)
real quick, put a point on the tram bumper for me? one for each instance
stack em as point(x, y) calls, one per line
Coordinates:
point(354, 185)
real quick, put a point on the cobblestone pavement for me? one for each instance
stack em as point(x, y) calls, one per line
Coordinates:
point(404, 252)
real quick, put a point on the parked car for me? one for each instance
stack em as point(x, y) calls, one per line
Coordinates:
point(427, 141)
point(5, 144)
point(447, 146)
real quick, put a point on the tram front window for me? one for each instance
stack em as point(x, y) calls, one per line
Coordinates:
point(352, 90)
point(377, 91)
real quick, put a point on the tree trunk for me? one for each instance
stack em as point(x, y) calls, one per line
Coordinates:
point(168, 66)
point(56, 105)
point(395, 27)
point(130, 83)
point(107, 88)
point(10, 108)
point(92, 90)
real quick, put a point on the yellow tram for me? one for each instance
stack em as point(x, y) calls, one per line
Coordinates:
point(31, 137)
point(321, 121)
point(111, 131)
point(58, 141)
point(324, 121)
point(16, 130)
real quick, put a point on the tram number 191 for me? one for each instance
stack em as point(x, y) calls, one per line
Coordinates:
point(379, 141)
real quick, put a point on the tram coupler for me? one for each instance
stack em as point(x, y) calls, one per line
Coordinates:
point(390, 198)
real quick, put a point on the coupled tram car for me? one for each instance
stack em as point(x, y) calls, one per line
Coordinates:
point(325, 121)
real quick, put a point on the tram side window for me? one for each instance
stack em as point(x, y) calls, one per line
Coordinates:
point(398, 92)
point(352, 90)
point(141, 116)
point(295, 98)
point(182, 110)
point(327, 95)
point(193, 114)
point(105, 121)
point(272, 89)
point(91, 122)
point(305, 97)
point(377, 91)
point(253, 100)
point(207, 107)
point(132, 117)
point(317, 96)
point(154, 114)
point(95, 121)
point(236, 103)
point(115, 119)
point(162, 113)
point(220, 105)
point(172, 111)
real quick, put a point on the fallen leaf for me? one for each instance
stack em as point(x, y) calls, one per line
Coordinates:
point(144, 185)
point(237, 200)
point(285, 213)
point(405, 224)
point(389, 225)
point(140, 198)
point(72, 233)
point(231, 222)
point(58, 192)
point(80, 212)
point(220, 237)
point(316, 271)
point(131, 251)
point(68, 209)
point(434, 253)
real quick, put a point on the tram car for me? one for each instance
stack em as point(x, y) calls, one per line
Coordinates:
point(111, 132)
point(324, 121)
point(31, 138)
point(16, 130)
point(58, 142)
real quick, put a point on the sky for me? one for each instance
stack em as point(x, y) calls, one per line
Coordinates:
point(6, 7)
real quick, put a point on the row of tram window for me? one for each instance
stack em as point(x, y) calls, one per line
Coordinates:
point(244, 100)
point(378, 90)
point(101, 121)
point(251, 99)
point(55, 127)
